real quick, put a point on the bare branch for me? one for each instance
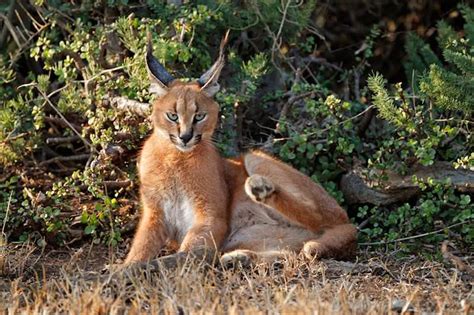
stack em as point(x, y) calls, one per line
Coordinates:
point(59, 140)
point(125, 104)
point(12, 30)
point(46, 97)
point(60, 122)
point(398, 240)
point(79, 157)
point(401, 188)
point(357, 191)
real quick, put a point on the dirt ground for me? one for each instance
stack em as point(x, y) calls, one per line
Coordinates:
point(76, 281)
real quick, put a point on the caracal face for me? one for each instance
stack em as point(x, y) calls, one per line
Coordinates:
point(185, 116)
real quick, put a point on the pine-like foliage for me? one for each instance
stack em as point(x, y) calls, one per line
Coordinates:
point(385, 102)
point(435, 84)
point(420, 57)
point(449, 85)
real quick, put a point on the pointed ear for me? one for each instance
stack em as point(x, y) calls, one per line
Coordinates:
point(160, 79)
point(208, 80)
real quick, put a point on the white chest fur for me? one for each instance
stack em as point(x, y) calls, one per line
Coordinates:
point(178, 214)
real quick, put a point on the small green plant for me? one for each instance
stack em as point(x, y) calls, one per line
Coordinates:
point(321, 141)
point(427, 121)
point(449, 85)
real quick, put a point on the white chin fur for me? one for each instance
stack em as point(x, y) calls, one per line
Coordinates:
point(185, 149)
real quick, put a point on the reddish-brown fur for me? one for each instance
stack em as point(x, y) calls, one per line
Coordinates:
point(166, 171)
point(250, 207)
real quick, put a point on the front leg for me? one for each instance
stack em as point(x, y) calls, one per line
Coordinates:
point(149, 238)
point(205, 233)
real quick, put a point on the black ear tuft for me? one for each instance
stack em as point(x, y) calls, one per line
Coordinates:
point(208, 80)
point(160, 78)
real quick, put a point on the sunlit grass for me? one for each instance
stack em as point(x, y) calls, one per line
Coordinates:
point(72, 283)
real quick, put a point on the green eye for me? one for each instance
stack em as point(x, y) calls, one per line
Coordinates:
point(200, 116)
point(172, 116)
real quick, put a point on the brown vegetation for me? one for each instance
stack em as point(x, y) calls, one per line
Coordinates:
point(376, 283)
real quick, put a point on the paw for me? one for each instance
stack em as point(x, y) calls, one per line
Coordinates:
point(236, 259)
point(258, 187)
point(312, 250)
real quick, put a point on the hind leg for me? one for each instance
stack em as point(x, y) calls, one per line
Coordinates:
point(263, 243)
point(291, 193)
point(301, 201)
point(336, 242)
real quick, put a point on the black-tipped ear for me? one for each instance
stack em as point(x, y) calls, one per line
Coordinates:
point(160, 79)
point(208, 80)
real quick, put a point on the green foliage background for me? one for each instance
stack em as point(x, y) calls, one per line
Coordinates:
point(278, 93)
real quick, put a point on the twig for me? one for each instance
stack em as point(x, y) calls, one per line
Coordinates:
point(21, 135)
point(79, 157)
point(62, 123)
point(10, 27)
point(111, 184)
point(321, 61)
point(21, 48)
point(286, 107)
point(26, 30)
point(3, 236)
point(326, 129)
point(275, 37)
point(65, 120)
point(280, 29)
point(59, 140)
point(364, 123)
point(35, 22)
point(86, 81)
point(414, 236)
point(3, 34)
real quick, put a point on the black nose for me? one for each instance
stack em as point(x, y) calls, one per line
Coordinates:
point(186, 137)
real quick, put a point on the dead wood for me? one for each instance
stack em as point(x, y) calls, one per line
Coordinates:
point(60, 140)
point(321, 61)
point(125, 104)
point(364, 122)
point(397, 188)
point(114, 185)
point(60, 122)
point(356, 190)
point(72, 158)
point(111, 185)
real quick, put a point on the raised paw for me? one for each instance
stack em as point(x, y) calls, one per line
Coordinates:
point(237, 258)
point(258, 187)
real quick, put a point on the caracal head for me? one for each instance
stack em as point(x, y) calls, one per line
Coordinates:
point(184, 113)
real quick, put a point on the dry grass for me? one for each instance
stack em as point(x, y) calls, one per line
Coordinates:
point(55, 282)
